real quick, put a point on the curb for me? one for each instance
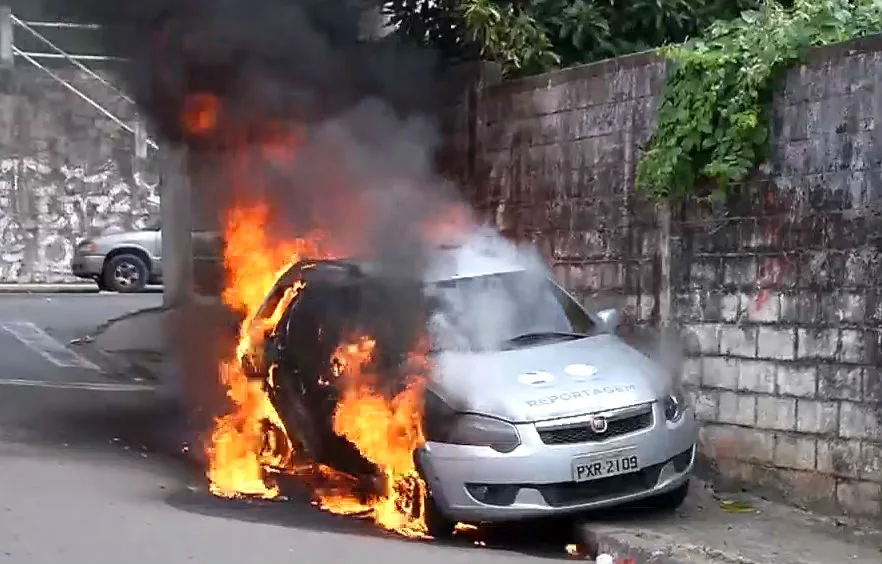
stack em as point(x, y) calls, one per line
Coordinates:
point(111, 322)
point(68, 289)
point(621, 551)
point(48, 289)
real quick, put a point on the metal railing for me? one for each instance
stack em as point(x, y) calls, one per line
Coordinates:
point(58, 52)
point(64, 25)
point(8, 51)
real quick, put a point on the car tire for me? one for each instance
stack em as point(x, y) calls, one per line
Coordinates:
point(304, 436)
point(102, 287)
point(439, 526)
point(125, 274)
point(671, 500)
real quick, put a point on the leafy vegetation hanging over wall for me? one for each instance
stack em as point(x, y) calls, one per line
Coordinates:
point(713, 122)
point(534, 36)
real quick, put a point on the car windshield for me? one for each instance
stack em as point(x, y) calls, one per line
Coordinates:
point(503, 311)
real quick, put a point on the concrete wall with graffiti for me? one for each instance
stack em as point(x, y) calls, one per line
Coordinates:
point(66, 172)
point(777, 293)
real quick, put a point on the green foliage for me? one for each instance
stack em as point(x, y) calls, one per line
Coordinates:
point(713, 121)
point(509, 36)
point(581, 31)
point(434, 23)
point(532, 36)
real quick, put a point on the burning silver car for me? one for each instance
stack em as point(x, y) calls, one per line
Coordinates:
point(535, 407)
point(542, 410)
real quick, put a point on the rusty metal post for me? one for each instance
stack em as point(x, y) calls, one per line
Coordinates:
point(141, 146)
point(7, 57)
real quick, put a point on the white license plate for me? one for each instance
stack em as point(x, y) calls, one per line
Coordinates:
point(587, 468)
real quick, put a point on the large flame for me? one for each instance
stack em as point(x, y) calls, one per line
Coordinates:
point(238, 457)
point(243, 447)
point(386, 432)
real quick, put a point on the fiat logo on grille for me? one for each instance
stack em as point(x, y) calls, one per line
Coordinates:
point(599, 425)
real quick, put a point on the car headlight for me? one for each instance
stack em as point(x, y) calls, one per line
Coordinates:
point(675, 404)
point(443, 425)
point(476, 430)
point(86, 246)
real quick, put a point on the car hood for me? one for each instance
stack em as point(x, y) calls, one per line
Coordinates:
point(549, 381)
point(121, 237)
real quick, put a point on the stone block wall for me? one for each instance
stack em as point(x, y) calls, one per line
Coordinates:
point(66, 172)
point(776, 293)
point(556, 165)
point(779, 294)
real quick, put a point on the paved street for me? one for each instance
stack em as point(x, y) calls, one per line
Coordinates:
point(67, 316)
point(93, 473)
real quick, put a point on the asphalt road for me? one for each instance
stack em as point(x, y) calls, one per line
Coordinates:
point(92, 471)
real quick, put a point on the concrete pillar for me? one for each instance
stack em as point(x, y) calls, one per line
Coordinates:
point(177, 296)
point(175, 208)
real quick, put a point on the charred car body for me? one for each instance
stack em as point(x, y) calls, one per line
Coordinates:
point(534, 408)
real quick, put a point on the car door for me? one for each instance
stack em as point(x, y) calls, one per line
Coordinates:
point(154, 247)
point(303, 391)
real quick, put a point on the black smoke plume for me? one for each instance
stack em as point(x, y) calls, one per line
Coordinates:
point(362, 170)
point(304, 59)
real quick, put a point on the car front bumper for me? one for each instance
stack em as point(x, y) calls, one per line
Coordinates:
point(536, 479)
point(87, 266)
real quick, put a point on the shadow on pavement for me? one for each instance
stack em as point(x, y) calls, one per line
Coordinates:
point(545, 539)
point(156, 429)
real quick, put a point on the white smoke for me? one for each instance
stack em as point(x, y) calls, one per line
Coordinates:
point(488, 291)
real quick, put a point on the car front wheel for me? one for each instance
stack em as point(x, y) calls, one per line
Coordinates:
point(439, 525)
point(125, 273)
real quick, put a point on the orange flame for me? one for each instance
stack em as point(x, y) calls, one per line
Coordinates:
point(450, 226)
point(237, 456)
point(200, 113)
point(386, 431)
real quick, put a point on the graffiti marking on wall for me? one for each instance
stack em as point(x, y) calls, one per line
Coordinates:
point(45, 211)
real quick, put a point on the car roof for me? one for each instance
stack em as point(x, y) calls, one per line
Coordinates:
point(470, 261)
point(448, 263)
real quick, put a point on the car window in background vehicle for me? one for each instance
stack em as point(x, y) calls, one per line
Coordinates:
point(494, 312)
point(153, 225)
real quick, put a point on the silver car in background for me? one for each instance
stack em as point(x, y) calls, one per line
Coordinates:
point(121, 262)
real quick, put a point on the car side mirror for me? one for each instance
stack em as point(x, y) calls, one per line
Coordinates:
point(610, 318)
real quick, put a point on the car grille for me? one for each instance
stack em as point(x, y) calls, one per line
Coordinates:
point(583, 433)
